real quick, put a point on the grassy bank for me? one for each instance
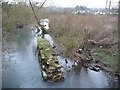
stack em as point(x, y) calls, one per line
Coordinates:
point(15, 14)
point(18, 14)
point(67, 31)
point(109, 58)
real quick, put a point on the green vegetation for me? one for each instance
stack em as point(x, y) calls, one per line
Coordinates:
point(15, 14)
point(18, 14)
point(50, 66)
point(109, 58)
point(46, 49)
point(12, 17)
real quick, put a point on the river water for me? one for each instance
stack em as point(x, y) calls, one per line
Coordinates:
point(22, 70)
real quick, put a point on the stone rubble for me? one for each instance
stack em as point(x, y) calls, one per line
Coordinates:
point(51, 69)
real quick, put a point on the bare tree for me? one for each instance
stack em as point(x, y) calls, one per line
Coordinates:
point(35, 16)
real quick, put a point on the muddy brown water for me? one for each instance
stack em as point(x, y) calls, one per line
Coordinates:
point(22, 70)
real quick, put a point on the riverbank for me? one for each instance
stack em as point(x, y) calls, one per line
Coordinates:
point(21, 68)
point(67, 31)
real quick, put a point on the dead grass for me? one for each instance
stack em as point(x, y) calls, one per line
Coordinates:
point(67, 32)
point(67, 29)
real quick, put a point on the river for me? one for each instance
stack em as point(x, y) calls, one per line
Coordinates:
point(21, 68)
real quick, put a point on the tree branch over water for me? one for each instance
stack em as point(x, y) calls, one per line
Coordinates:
point(35, 16)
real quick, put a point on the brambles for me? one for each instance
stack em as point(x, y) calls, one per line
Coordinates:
point(67, 31)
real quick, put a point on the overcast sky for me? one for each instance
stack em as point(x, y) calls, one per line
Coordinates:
point(88, 3)
point(73, 3)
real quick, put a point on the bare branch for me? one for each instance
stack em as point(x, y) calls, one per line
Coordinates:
point(35, 13)
point(42, 4)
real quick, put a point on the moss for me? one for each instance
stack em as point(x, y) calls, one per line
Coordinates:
point(109, 59)
point(47, 49)
point(49, 60)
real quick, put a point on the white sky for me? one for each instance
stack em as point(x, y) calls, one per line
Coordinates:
point(73, 3)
